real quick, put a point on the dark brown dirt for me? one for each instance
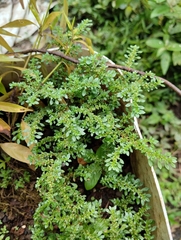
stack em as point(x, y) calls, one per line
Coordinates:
point(17, 206)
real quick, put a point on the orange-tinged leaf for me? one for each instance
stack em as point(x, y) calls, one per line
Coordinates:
point(5, 128)
point(11, 107)
point(5, 44)
point(17, 151)
point(51, 17)
point(26, 131)
point(18, 23)
point(5, 58)
point(81, 161)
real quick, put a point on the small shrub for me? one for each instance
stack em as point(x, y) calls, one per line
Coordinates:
point(78, 128)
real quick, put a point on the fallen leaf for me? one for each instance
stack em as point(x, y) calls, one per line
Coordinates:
point(17, 151)
point(5, 128)
point(81, 161)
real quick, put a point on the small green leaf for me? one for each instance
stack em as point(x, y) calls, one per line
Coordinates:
point(160, 10)
point(165, 62)
point(128, 11)
point(155, 43)
point(95, 171)
point(173, 46)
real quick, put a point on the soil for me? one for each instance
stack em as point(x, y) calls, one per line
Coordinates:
point(17, 206)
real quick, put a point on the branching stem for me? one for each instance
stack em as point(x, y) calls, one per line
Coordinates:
point(115, 66)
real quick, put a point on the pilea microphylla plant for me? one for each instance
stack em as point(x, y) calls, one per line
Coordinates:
point(73, 118)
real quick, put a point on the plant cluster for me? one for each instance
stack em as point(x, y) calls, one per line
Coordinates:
point(155, 27)
point(75, 122)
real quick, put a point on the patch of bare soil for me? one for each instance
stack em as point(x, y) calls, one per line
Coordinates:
point(17, 206)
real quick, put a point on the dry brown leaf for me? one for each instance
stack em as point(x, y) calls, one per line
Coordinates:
point(81, 161)
point(17, 151)
point(5, 128)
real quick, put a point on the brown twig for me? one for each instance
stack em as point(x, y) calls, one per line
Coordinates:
point(115, 66)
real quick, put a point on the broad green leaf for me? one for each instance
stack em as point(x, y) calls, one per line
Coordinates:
point(173, 46)
point(5, 58)
point(4, 127)
point(11, 107)
point(153, 119)
point(18, 23)
point(173, 29)
point(160, 51)
point(64, 20)
point(33, 8)
point(165, 62)
point(51, 17)
point(128, 10)
point(4, 32)
point(95, 172)
point(175, 12)
point(5, 45)
point(160, 10)
point(155, 43)
point(176, 57)
point(17, 151)
point(2, 88)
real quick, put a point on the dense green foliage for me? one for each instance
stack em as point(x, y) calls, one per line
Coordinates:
point(155, 27)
